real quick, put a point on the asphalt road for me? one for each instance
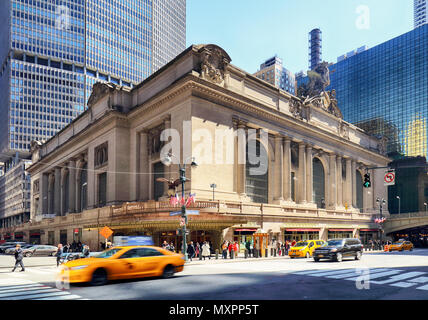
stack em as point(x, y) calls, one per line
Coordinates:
point(378, 276)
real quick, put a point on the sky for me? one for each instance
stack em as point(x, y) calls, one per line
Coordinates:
point(251, 31)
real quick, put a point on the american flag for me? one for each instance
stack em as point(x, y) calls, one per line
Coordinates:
point(173, 200)
point(190, 199)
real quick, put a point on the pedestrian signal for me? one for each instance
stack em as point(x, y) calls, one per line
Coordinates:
point(367, 183)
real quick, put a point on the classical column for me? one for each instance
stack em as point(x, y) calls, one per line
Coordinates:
point(57, 191)
point(143, 167)
point(287, 169)
point(309, 174)
point(339, 184)
point(354, 184)
point(302, 173)
point(62, 207)
point(333, 181)
point(279, 166)
point(348, 182)
point(51, 194)
point(44, 189)
point(71, 186)
point(241, 148)
point(79, 165)
point(167, 169)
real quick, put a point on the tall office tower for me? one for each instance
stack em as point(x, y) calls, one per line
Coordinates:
point(276, 74)
point(315, 48)
point(384, 90)
point(420, 12)
point(53, 51)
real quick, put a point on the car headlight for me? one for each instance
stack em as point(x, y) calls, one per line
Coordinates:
point(78, 267)
point(333, 250)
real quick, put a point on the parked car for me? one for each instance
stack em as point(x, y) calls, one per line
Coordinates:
point(39, 250)
point(305, 248)
point(6, 245)
point(337, 249)
point(11, 249)
point(401, 246)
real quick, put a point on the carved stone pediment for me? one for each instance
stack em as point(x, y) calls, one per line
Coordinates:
point(296, 109)
point(214, 61)
point(99, 91)
point(154, 138)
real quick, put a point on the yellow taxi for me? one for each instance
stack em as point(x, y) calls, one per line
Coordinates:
point(401, 245)
point(305, 248)
point(124, 262)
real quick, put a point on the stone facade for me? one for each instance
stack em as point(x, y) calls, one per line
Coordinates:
point(101, 169)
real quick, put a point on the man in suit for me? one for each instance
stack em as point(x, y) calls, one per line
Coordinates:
point(18, 258)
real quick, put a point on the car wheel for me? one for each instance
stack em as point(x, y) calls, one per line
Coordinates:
point(168, 272)
point(308, 255)
point(316, 259)
point(358, 255)
point(99, 277)
point(339, 257)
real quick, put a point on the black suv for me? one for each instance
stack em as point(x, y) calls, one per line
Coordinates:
point(337, 249)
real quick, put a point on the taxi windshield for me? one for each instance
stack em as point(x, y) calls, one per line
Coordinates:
point(398, 243)
point(108, 253)
point(301, 244)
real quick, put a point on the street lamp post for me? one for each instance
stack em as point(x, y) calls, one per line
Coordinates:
point(182, 170)
point(399, 205)
point(213, 186)
point(380, 202)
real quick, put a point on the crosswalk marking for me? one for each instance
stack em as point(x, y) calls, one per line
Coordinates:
point(378, 275)
point(355, 272)
point(23, 289)
point(400, 277)
point(423, 287)
point(402, 284)
point(419, 280)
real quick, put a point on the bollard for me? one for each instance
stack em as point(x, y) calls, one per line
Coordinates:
point(246, 254)
point(216, 254)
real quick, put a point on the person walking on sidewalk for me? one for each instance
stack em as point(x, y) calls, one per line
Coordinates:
point(58, 254)
point(230, 248)
point(224, 249)
point(236, 249)
point(18, 258)
point(191, 250)
point(206, 250)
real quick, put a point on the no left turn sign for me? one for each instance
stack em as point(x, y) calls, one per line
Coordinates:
point(389, 178)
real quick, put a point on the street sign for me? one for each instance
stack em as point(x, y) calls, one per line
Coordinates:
point(389, 178)
point(106, 232)
point(182, 222)
point(188, 212)
point(175, 213)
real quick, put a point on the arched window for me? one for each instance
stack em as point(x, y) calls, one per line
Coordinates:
point(359, 186)
point(256, 174)
point(318, 192)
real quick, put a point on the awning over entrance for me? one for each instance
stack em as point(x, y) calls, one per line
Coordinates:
point(247, 229)
point(338, 230)
point(304, 229)
point(369, 230)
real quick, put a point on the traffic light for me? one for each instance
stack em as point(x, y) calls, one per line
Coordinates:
point(367, 183)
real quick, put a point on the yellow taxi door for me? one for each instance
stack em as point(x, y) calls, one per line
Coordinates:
point(127, 265)
point(151, 260)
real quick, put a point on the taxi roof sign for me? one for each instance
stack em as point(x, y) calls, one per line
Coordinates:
point(106, 232)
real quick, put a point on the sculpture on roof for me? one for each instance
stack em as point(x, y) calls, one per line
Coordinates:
point(214, 61)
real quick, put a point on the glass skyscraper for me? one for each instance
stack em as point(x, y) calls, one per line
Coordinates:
point(53, 51)
point(384, 90)
point(51, 54)
point(420, 12)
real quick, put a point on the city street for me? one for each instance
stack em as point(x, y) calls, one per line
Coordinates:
point(378, 276)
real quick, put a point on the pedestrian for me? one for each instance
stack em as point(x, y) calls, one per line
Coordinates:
point(171, 246)
point(247, 247)
point(190, 251)
point(58, 254)
point(73, 246)
point(85, 251)
point(235, 249)
point(18, 258)
point(102, 245)
point(293, 243)
point(206, 250)
point(197, 250)
point(230, 250)
point(224, 249)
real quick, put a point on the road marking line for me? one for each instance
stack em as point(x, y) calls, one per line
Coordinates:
point(20, 294)
point(330, 272)
point(419, 280)
point(9, 281)
point(66, 297)
point(402, 284)
point(20, 286)
point(399, 277)
point(423, 287)
point(24, 289)
point(378, 275)
point(41, 295)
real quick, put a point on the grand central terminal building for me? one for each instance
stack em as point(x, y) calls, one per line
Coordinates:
point(102, 169)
